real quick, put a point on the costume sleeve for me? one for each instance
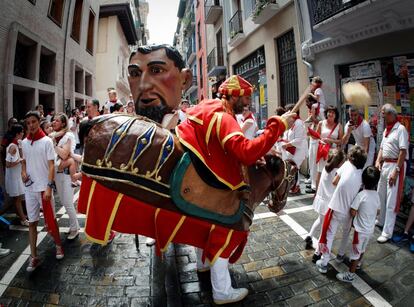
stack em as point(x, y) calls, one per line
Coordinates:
point(245, 150)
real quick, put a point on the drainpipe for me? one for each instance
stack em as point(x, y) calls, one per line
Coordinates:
point(64, 56)
point(304, 44)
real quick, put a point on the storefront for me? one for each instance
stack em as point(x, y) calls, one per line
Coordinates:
point(389, 80)
point(253, 69)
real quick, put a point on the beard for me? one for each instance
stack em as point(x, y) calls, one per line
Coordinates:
point(155, 113)
point(238, 107)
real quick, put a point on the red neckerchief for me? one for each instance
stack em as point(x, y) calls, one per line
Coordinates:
point(113, 101)
point(248, 117)
point(15, 142)
point(359, 121)
point(389, 128)
point(37, 136)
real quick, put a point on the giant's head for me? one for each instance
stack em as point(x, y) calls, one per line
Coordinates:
point(237, 91)
point(157, 78)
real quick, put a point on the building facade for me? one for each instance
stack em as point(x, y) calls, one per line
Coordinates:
point(47, 55)
point(263, 42)
point(116, 33)
point(368, 41)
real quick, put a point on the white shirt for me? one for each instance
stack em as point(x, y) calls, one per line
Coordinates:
point(367, 202)
point(37, 157)
point(182, 115)
point(347, 188)
point(110, 104)
point(68, 137)
point(72, 122)
point(322, 102)
point(250, 133)
point(397, 139)
point(325, 191)
point(325, 131)
point(296, 136)
point(363, 131)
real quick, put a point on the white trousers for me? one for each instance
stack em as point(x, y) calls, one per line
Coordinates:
point(65, 192)
point(219, 275)
point(318, 222)
point(338, 219)
point(388, 198)
point(313, 168)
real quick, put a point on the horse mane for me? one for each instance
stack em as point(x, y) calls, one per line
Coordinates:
point(86, 125)
point(274, 164)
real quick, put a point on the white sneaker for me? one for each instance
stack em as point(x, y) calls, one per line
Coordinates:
point(4, 252)
point(308, 181)
point(73, 235)
point(235, 295)
point(377, 223)
point(150, 241)
point(346, 276)
point(382, 239)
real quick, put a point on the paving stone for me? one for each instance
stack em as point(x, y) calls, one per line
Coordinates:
point(124, 280)
point(292, 267)
point(188, 276)
point(182, 260)
point(271, 272)
point(256, 299)
point(276, 295)
point(254, 266)
point(360, 302)
point(14, 292)
point(261, 255)
point(273, 261)
point(140, 302)
point(54, 298)
point(83, 290)
point(263, 285)
point(253, 276)
point(118, 301)
point(110, 290)
point(190, 287)
point(320, 294)
point(138, 291)
point(300, 300)
point(303, 286)
point(344, 297)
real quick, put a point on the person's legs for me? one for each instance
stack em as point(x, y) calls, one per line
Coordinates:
point(223, 292)
point(33, 201)
point(65, 192)
point(346, 228)
point(382, 192)
point(330, 235)
point(19, 208)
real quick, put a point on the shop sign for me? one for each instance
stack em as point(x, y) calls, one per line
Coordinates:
point(365, 70)
point(253, 62)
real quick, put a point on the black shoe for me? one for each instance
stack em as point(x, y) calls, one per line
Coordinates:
point(308, 239)
point(315, 258)
point(310, 191)
point(308, 186)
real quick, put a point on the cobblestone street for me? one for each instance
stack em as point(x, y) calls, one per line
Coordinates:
point(275, 267)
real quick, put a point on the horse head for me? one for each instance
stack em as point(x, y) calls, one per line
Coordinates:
point(273, 180)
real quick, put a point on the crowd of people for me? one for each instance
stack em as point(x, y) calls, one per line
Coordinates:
point(351, 183)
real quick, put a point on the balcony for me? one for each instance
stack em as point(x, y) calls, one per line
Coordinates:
point(236, 29)
point(193, 87)
point(264, 10)
point(215, 63)
point(213, 11)
point(344, 22)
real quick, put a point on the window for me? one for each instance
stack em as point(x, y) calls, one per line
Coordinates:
point(77, 20)
point(91, 25)
point(201, 72)
point(56, 11)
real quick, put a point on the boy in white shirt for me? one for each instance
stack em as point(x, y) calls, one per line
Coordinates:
point(348, 182)
point(364, 209)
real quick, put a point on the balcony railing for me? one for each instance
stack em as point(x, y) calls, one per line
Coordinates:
point(213, 10)
point(215, 58)
point(323, 10)
point(236, 24)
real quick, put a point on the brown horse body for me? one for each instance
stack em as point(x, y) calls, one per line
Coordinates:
point(136, 157)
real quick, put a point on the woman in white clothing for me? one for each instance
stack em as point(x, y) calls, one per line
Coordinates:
point(324, 194)
point(331, 132)
point(248, 123)
point(64, 142)
point(14, 183)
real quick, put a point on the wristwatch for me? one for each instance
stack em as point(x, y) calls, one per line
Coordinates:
point(397, 169)
point(52, 185)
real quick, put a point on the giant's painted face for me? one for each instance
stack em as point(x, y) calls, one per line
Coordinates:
point(156, 84)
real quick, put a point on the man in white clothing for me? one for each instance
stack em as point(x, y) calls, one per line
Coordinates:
point(361, 131)
point(391, 161)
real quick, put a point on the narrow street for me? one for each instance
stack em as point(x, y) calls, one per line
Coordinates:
point(275, 267)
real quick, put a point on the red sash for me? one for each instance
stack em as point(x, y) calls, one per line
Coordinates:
point(50, 221)
point(323, 149)
point(355, 242)
point(323, 247)
point(291, 149)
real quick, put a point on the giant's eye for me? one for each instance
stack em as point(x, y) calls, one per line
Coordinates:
point(134, 72)
point(156, 69)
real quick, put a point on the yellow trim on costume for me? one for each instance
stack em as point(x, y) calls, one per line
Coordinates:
point(195, 119)
point(212, 227)
point(223, 247)
point(172, 236)
point(190, 147)
point(241, 92)
point(112, 217)
point(229, 136)
point(210, 127)
point(283, 121)
point(91, 191)
point(218, 126)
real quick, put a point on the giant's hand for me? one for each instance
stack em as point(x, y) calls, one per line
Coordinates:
point(289, 117)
